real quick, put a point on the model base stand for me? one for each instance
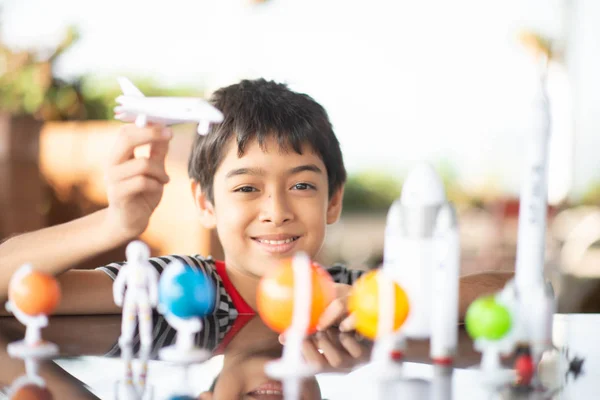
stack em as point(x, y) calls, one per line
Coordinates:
point(32, 296)
point(175, 355)
point(21, 349)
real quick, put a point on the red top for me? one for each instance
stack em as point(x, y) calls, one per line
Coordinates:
point(238, 301)
point(246, 313)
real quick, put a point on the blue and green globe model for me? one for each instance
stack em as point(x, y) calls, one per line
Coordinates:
point(186, 292)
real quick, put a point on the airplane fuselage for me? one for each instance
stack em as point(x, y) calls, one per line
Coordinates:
point(172, 109)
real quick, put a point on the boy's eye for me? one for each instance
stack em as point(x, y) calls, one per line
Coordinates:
point(245, 189)
point(303, 186)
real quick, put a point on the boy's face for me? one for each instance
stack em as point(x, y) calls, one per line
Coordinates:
point(270, 204)
point(243, 374)
point(246, 378)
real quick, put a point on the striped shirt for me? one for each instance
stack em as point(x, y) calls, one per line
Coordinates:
point(231, 312)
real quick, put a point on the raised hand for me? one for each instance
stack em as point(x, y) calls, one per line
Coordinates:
point(135, 184)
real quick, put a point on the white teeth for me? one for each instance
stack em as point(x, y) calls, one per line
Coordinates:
point(271, 392)
point(275, 242)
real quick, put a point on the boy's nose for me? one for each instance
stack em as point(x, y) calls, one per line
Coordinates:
point(276, 210)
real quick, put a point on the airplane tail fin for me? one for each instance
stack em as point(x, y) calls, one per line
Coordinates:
point(128, 88)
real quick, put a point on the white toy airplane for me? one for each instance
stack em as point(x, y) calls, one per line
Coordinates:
point(135, 107)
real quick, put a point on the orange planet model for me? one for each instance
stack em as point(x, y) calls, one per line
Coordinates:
point(35, 293)
point(364, 305)
point(275, 296)
point(32, 392)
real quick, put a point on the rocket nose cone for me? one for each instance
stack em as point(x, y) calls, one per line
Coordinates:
point(394, 215)
point(446, 219)
point(422, 187)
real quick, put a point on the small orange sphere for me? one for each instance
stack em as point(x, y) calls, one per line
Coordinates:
point(275, 296)
point(364, 304)
point(32, 392)
point(36, 293)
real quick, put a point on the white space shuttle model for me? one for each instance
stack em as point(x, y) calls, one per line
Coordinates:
point(422, 254)
point(133, 106)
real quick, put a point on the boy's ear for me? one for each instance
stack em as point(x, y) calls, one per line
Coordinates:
point(334, 209)
point(205, 208)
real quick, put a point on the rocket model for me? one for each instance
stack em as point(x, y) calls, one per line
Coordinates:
point(422, 255)
point(533, 298)
point(435, 382)
point(528, 299)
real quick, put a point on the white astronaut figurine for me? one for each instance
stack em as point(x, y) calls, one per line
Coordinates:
point(138, 279)
point(129, 388)
point(422, 255)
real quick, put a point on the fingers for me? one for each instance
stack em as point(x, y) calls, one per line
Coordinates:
point(131, 137)
point(159, 150)
point(352, 346)
point(333, 314)
point(135, 185)
point(330, 349)
point(138, 167)
point(348, 324)
point(127, 175)
point(334, 355)
point(312, 355)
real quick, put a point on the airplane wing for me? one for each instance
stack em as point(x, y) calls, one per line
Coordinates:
point(128, 88)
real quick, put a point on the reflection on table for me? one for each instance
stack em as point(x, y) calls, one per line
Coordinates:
point(91, 365)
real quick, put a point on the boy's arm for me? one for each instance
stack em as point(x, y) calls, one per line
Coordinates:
point(84, 292)
point(56, 249)
point(118, 287)
point(153, 287)
point(470, 288)
point(475, 285)
point(134, 189)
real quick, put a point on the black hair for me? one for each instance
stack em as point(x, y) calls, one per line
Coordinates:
point(258, 110)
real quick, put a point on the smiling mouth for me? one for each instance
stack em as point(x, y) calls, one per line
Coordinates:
point(265, 393)
point(277, 242)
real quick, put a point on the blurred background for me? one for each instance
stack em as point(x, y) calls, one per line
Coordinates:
point(450, 83)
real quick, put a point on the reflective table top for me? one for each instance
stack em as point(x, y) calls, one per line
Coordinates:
point(91, 365)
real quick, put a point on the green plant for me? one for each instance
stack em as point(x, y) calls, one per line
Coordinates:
point(29, 87)
point(591, 196)
point(99, 94)
point(370, 191)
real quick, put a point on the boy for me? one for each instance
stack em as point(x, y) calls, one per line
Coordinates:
point(269, 179)
point(243, 373)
